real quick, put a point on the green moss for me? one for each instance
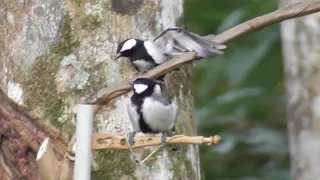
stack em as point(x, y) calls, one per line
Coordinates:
point(154, 31)
point(113, 164)
point(41, 89)
point(79, 2)
point(40, 84)
point(175, 82)
point(181, 160)
point(91, 22)
point(67, 42)
point(151, 160)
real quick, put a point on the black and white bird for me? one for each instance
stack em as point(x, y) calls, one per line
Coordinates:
point(150, 111)
point(145, 55)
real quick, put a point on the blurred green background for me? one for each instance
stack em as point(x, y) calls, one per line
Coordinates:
point(240, 96)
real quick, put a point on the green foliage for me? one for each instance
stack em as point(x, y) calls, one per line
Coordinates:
point(240, 95)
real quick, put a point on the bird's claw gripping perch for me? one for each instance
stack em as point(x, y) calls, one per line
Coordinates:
point(164, 139)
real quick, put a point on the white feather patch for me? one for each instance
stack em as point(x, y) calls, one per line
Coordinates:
point(158, 116)
point(128, 44)
point(143, 65)
point(139, 88)
point(155, 52)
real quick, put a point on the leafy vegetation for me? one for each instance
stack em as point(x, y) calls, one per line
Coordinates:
point(240, 95)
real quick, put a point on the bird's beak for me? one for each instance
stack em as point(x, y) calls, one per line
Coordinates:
point(130, 83)
point(118, 55)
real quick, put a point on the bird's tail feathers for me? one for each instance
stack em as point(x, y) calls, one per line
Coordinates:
point(211, 37)
point(209, 47)
point(219, 46)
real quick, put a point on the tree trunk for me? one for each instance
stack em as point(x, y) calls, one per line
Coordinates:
point(301, 48)
point(55, 54)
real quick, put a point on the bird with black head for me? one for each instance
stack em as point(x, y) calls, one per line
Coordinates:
point(150, 111)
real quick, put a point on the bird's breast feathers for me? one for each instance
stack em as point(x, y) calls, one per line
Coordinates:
point(142, 65)
point(158, 116)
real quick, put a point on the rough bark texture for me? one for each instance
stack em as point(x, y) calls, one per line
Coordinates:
point(20, 139)
point(301, 48)
point(55, 54)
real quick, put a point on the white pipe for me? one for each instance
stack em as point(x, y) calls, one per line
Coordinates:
point(82, 169)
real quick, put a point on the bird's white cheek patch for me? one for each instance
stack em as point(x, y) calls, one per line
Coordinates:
point(139, 88)
point(128, 44)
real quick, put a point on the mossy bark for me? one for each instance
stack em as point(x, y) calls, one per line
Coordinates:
point(55, 54)
point(301, 49)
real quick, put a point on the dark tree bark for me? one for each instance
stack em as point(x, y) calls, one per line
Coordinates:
point(20, 139)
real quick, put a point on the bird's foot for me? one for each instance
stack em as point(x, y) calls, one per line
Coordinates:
point(164, 139)
point(130, 141)
point(131, 136)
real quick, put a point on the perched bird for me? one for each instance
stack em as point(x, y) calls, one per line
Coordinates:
point(144, 55)
point(150, 111)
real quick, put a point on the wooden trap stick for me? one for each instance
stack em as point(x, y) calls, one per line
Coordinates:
point(110, 141)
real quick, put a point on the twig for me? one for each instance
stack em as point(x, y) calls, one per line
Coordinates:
point(110, 141)
point(156, 150)
point(282, 14)
point(152, 153)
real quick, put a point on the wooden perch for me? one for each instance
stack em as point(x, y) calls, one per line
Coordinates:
point(282, 14)
point(49, 167)
point(110, 141)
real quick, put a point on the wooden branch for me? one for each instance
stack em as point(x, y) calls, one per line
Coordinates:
point(282, 14)
point(110, 141)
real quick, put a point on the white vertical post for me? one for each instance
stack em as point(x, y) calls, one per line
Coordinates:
point(82, 169)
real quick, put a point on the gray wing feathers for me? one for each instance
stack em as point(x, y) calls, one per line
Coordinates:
point(177, 40)
point(164, 92)
point(161, 99)
point(133, 116)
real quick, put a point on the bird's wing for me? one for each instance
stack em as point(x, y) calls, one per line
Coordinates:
point(175, 41)
point(159, 114)
point(133, 116)
point(165, 93)
point(164, 100)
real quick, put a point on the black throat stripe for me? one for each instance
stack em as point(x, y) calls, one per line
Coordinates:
point(142, 124)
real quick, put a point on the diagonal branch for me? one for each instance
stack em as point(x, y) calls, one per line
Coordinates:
point(291, 11)
point(282, 14)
